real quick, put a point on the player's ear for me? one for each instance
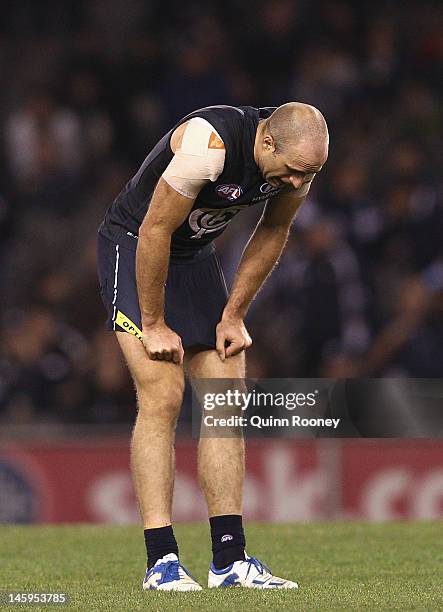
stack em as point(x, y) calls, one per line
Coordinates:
point(268, 143)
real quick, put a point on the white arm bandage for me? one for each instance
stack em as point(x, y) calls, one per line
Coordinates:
point(199, 159)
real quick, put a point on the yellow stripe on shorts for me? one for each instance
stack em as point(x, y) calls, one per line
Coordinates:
point(125, 323)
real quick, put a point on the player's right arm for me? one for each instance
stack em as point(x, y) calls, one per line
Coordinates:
point(167, 211)
point(198, 158)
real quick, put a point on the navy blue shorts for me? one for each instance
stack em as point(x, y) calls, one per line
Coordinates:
point(195, 293)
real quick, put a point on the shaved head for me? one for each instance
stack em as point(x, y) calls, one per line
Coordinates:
point(296, 123)
point(291, 145)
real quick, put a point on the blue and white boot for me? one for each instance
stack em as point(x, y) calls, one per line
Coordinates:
point(250, 573)
point(168, 574)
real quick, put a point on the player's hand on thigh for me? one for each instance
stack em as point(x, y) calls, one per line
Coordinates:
point(162, 343)
point(234, 333)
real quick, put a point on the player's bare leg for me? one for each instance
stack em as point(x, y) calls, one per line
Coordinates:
point(221, 474)
point(159, 386)
point(221, 461)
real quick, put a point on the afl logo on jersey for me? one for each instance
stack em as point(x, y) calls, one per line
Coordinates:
point(230, 192)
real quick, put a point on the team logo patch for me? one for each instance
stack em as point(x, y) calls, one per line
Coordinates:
point(267, 191)
point(207, 220)
point(230, 192)
point(266, 188)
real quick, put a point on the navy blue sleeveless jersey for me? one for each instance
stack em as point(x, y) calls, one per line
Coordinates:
point(239, 185)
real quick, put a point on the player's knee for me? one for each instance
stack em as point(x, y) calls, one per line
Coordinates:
point(160, 398)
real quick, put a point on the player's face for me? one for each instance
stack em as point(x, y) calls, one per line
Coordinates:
point(294, 167)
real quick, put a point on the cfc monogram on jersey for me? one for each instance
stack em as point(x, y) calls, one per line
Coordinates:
point(206, 220)
point(239, 185)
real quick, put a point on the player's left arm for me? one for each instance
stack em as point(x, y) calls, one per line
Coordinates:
point(261, 254)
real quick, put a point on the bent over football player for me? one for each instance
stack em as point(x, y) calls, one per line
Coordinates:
point(168, 304)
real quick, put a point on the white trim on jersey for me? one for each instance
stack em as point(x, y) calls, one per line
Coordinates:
point(117, 257)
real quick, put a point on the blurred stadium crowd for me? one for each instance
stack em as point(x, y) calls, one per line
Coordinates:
point(89, 87)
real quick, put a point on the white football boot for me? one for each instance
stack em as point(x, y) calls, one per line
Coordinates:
point(250, 573)
point(169, 575)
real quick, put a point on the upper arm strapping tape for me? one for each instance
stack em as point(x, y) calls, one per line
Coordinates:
point(199, 159)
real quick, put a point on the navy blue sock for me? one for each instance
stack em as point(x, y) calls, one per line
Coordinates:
point(159, 541)
point(228, 539)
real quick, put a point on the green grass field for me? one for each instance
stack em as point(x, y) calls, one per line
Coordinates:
point(339, 566)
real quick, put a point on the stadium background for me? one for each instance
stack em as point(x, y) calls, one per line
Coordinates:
point(89, 86)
